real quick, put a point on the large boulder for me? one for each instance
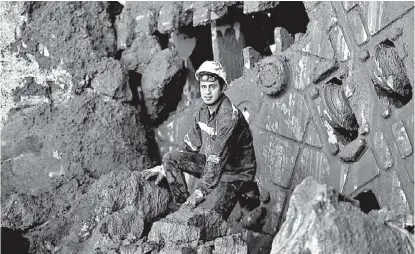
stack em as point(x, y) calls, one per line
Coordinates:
point(22, 211)
point(111, 80)
point(185, 228)
point(74, 35)
point(319, 220)
point(232, 244)
point(114, 211)
point(44, 146)
point(118, 207)
point(140, 53)
point(162, 84)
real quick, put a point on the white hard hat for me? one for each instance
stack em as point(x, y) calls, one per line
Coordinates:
point(212, 67)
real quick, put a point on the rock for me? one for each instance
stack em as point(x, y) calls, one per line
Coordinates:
point(258, 243)
point(113, 212)
point(232, 244)
point(320, 221)
point(201, 12)
point(187, 227)
point(181, 250)
point(162, 84)
point(211, 224)
point(46, 144)
point(140, 53)
point(77, 35)
point(123, 225)
point(11, 22)
point(255, 220)
point(140, 247)
point(253, 7)
point(389, 72)
point(143, 16)
point(117, 207)
point(112, 82)
point(52, 153)
point(174, 234)
point(22, 211)
point(172, 16)
point(220, 8)
point(205, 248)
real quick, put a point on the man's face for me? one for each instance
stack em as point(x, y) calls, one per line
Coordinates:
point(210, 91)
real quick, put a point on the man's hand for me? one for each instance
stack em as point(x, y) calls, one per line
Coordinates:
point(156, 171)
point(194, 200)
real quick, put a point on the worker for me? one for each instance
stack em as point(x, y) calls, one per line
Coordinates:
point(218, 149)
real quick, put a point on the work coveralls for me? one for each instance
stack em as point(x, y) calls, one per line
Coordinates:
point(219, 150)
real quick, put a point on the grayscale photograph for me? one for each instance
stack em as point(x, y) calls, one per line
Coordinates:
point(207, 127)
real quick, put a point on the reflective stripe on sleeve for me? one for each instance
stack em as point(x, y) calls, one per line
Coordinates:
point(209, 130)
point(187, 140)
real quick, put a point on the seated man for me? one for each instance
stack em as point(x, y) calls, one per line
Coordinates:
point(218, 149)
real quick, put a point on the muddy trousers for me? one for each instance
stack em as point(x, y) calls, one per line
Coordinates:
point(226, 194)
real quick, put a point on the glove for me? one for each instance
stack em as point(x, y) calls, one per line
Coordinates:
point(156, 171)
point(194, 200)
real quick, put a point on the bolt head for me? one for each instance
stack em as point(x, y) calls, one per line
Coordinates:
point(389, 164)
point(314, 93)
point(334, 148)
point(265, 197)
point(364, 55)
point(363, 141)
point(364, 129)
point(387, 113)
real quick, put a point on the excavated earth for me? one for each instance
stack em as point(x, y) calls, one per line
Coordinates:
point(83, 86)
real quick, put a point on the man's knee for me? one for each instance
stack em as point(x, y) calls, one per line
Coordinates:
point(172, 156)
point(171, 159)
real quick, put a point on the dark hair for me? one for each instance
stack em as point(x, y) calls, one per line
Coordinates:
point(221, 83)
